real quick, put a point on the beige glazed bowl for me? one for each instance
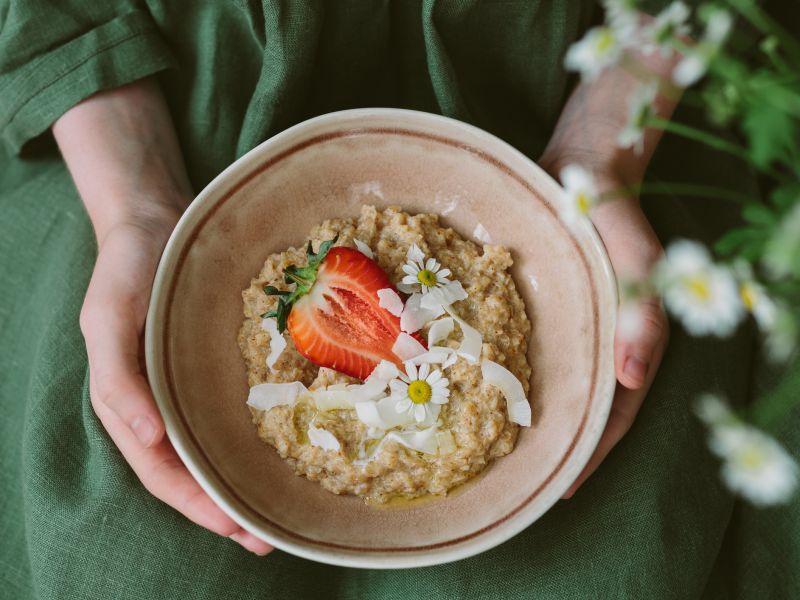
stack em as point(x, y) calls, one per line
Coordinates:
point(328, 167)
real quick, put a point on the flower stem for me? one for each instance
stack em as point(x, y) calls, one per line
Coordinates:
point(666, 188)
point(709, 139)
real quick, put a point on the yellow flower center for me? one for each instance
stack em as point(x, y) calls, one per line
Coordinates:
point(699, 287)
point(419, 391)
point(749, 296)
point(751, 457)
point(605, 41)
point(427, 278)
point(584, 204)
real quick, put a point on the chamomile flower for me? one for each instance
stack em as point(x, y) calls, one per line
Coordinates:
point(581, 193)
point(754, 297)
point(696, 60)
point(754, 464)
point(667, 25)
point(623, 17)
point(422, 274)
point(599, 49)
point(429, 284)
point(702, 295)
point(640, 107)
point(420, 393)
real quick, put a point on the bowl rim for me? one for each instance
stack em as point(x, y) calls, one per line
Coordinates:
point(475, 543)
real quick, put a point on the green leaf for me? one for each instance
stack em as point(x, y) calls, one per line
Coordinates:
point(733, 240)
point(270, 290)
point(769, 131)
point(786, 196)
point(758, 214)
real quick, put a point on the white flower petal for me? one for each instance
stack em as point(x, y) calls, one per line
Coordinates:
point(407, 288)
point(472, 343)
point(277, 343)
point(414, 254)
point(419, 412)
point(519, 409)
point(411, 270)
point(363, 248)
point(388, 299)
point(265, 396)
point(323, 439)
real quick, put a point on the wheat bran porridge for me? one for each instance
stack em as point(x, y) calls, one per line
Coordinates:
point(354, 438)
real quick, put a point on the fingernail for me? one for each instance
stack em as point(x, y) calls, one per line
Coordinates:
point(635, 370)
point(143, 430)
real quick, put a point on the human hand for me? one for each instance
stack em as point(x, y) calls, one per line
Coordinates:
point(121, 152)
point(633, 249)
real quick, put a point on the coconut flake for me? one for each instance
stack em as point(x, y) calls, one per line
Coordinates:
point(519, 410)
point(436, 355)
point(277, 343)
point(414, 317)
point(323, 439)
point(406, 347)
point(415, 254)
point(443, 296)
point(363, 248)
point(439, 331)
point(265, 396)
point(330, 399)
point(388, 299)
point(421, 441)
point(381, 415)
point(470, 347)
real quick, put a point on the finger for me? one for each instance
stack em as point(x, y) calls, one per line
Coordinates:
point(634, 349)
point(112, 320)
point(162, 473)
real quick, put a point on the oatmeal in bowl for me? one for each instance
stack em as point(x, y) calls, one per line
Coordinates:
point(387, 359)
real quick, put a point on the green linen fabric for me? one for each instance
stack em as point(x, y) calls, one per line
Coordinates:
point(654, 522)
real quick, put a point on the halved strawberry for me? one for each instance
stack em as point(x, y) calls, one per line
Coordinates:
point(333, 314)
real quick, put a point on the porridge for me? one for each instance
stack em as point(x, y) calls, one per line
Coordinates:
point(388, 358)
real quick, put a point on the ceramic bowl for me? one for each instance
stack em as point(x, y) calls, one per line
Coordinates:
point(328, 167)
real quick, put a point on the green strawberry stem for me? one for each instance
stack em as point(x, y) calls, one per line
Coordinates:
point(302, 277)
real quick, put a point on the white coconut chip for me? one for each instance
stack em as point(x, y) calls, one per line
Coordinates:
point(519, 410)
point(388, 299)
point(330, 399)
point(277, 343)
point(439, 331)
point(406, 347)
point(436, 355)
point(472, 343)
point(265, 396)
point(414, 253)
point(443, 296)
point(421, 441)
point(381, 414)
point(414, 317)
point(363, 248)
point(323, 439)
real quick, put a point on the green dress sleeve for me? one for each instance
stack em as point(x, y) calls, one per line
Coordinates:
point(53, 55)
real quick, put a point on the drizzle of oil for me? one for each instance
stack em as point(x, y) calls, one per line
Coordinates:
point(403, 502)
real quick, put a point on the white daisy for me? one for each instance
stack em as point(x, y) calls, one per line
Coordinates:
point(703, 295)
point(427, 276)
point(640, 107)
point(581, 193)
point(754, 465)
point(695, 62)
point(599, 49)
point(420, 392)
point(623, 17)
point(754, 297)
point(667, 25)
